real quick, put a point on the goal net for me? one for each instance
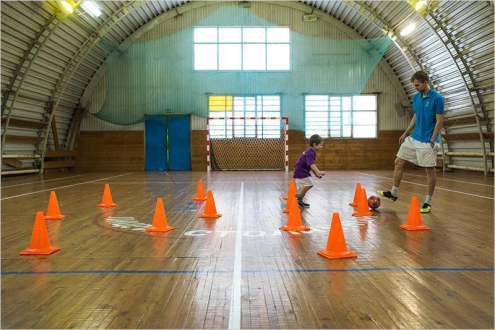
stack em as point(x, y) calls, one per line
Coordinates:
point(239, 143)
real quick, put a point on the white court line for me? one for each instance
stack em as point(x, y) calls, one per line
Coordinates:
point(22, 184)
point(424, 185)
point(213, 182)
point(72, 185)
point(235, 300)
point(479, 184)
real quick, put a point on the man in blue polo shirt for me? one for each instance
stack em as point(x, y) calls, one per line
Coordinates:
point(421, 148)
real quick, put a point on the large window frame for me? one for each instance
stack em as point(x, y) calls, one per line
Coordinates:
point(341, 116)
point(221, 47)
point(245, 106)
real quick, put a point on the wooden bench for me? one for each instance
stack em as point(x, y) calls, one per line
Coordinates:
point(14, 122)
point(461, 121)
point(21, 171)
point(58, 160)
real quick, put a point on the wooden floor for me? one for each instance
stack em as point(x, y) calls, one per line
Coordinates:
point(109, 273)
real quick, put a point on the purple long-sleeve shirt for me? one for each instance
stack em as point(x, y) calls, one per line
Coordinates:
point(302, 169)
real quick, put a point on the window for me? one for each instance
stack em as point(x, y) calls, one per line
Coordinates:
point(228, 106)
point(341, 116)
point(242, 49)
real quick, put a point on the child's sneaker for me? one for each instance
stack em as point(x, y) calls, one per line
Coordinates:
point(300, 202)
point(426, 208)
point(388, 194)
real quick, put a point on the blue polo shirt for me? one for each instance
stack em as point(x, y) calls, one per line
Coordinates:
point(426, 109)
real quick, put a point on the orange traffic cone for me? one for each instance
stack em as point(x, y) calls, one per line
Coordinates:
point(160, 219)
point(288, 204)
point(294, 223)
point(107, 198)
point(292, 190)
point(53, 212)
point(40, 242)
point(414, 218)
point(200, 193)
point(210, 210)
point(336, 247)
point(363, 209)
point(357, 193)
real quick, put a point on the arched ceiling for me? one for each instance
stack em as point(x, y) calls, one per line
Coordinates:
point(48, 59)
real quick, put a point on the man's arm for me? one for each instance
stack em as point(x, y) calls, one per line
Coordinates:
point(408, 130)
point(438, 127)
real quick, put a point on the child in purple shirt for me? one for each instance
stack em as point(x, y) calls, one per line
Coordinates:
point(306, 163)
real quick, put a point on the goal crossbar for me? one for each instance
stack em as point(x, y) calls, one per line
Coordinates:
point(220, 149)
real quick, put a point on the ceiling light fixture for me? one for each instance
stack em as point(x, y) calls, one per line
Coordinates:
point(67, 6)
point(408, 29)
point(92, 8)
point(420, 5)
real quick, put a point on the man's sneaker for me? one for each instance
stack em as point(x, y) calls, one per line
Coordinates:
point(388, 194)
point(426, 208)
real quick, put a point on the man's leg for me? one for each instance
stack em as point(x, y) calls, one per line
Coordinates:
point(398, 171)
point(431, 173)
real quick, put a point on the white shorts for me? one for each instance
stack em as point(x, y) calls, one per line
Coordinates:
point(418, 153)
point(304, 182)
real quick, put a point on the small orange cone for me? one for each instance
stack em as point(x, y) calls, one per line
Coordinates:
point(294, 223)
point(53, 212)
point(107, 198)
point(292, 190)
point(160, 219)
point(40, 242)
point(357, 193)
point(210, 210)
point(414, 218)
point(200, 193)
point(363, 209)
point(336, 247)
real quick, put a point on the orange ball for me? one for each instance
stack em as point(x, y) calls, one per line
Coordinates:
point(374, 202)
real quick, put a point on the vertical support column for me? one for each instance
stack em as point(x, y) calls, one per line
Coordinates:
point(444, 165)
point(208, 166)
point(286, 144)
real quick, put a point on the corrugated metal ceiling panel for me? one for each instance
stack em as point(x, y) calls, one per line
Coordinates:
point(469, 25)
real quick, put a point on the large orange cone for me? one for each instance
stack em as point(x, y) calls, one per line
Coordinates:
point(160, 219)
point(107, 198)
point(336, 247)
point(40, 242)
point(292, 190)
point(357, 195)
point(210, 210)
point(363, 209)
point(200, 193)
point(288, 204)
point(294, 223)
point(53, 212)
point(414, 218)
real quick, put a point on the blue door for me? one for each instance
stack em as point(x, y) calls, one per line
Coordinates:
point(156, 144)
point(179, 138)
point(168, 143)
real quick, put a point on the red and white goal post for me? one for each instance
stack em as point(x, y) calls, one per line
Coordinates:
point(247, 143)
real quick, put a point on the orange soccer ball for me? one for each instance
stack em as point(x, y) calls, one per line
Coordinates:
point(374, 202)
